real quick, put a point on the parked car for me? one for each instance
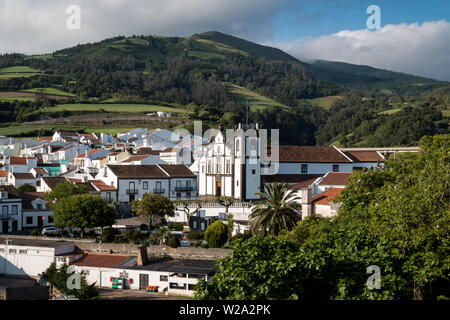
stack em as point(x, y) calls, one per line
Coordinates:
point(185, 243)
point(50, 230)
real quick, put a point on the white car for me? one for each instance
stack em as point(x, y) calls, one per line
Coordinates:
point(50, 230)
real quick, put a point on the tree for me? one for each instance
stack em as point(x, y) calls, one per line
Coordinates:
point(216, 235)
point(64, 190)
point(230, 225)
point(173, 241)
point(226, 201)
point(276, 211)
point(257, 269)
point(26, 188)
point(154, 207)
point(83, 211)
point(190, 208)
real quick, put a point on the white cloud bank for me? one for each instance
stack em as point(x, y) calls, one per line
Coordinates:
point(39, 26)
point(419, 49)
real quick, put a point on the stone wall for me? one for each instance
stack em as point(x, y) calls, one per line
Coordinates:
point(25, 293)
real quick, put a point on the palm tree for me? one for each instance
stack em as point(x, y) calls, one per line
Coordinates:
point(277, 210)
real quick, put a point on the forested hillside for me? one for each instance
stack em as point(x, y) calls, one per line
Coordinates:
point(212, 76)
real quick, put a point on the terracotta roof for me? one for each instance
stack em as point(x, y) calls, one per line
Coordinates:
point(308, 180)
point(18, 160)
point(327, 196)
point(52, 182)
point(311, 154)
point(137, 171)
point(136, 158)
point(148, 151)
point(4, 173)
point(12, 191)
point(290, 178)
point(28, 176)
point(364, 156)
point(102, 186)
point(41, 170)
point(336, 179)
point(100, 260)
point(177, 170)
point(66, 148)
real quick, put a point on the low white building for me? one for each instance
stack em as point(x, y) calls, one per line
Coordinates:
point(174, 276)
point(30, 257)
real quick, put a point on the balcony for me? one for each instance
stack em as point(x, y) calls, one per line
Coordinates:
point(184, 189)
point(159, 191)
point(132, 191)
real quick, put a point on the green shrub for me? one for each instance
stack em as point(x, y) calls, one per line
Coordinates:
point(216, 235)
point(35, 233)
point(200, 244)
point(175, 226)
point(173, 241)
point(109, 234)
point(242, 236)
point(132, 235)
point(193, 235)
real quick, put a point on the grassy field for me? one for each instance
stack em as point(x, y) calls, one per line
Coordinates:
point(391, 111)
point(133, 108)
point(12, 99)
point(325, 102)
point(18, 71)
point(52, 91)
point(255, 100)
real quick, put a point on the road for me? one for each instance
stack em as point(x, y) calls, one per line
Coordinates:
point(116, 294)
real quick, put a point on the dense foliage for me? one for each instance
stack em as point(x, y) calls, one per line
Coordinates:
point(154, 207)
point(397, 219)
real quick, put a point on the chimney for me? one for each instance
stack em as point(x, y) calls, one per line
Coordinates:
point(306, 202)
point(142, 256)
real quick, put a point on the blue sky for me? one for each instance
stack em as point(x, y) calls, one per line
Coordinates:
point(301, 19)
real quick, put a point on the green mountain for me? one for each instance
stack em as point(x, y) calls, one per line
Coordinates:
point(212, 76)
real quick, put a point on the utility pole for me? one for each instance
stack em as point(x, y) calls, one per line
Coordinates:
point(246, 115)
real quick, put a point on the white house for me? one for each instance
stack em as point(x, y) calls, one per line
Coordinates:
point(132, 181)
point(10, 210)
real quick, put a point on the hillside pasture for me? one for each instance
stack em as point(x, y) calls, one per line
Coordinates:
point(255, 100)
point(18, 71)
point(325, 102)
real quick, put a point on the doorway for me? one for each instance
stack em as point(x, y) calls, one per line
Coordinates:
point(218, 188)
point(143, 281)
point(40, 221)
point(5, 226)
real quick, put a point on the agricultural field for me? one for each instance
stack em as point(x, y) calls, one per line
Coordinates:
point(255, 100)
point(51, 91)
point(18, 71)
point(325, 102)
point(132, 108)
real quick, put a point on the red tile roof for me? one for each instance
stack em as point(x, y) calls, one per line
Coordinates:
point(102, 186)
point(336, 179)
point(311, 154)
point(327, 196)
point(19, 160)
point(177, 170)
point(364, 156)
point(136, 158)
point(137, 171)
point(100, 260)
point(4, 173)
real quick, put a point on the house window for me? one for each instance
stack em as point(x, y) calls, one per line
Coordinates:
point(29, 220)
point(191, 286)
point(335, 168)
point(13, 251)
point(304, 168)
point(237, 146)
point(253, 171)
point(163, 278)
point(39, 206)
point(145, 185)
point(228, 168)
point(178, 195)
point(4, 211)
point(15, 210)
point(23, 251)
point(108, 196)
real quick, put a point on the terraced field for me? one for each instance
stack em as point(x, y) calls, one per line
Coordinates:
point(18, 71)
point(51, 91)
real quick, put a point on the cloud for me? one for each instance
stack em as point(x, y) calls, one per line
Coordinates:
point(419, 49)
point(30, 26)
